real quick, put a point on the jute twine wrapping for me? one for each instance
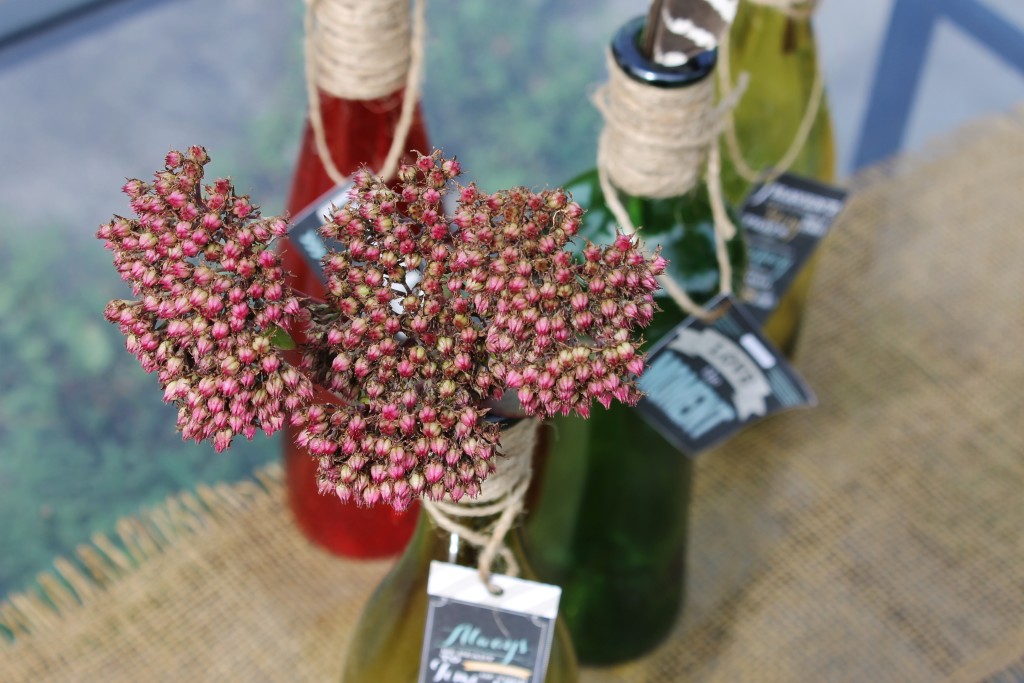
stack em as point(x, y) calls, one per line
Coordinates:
point(654, 144)
point(359, 49)
point(364, 50)
point(797, 10)
point(876, 537)
point(501, 495)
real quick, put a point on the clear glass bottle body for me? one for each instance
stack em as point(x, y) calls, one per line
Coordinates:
point(357, 132)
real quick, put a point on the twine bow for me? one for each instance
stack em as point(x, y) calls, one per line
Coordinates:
point(501, 494)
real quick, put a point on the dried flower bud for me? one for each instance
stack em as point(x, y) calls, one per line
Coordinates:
point(183, 304)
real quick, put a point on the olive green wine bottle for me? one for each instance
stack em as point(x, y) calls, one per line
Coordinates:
point(388, 640)
point(779, 55)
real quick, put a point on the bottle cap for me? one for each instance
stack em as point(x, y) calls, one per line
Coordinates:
point(630, 58)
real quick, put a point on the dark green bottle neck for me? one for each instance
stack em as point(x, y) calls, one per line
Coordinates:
point(655, 215)
point(683, 226)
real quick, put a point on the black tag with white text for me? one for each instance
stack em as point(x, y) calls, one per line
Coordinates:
point(475, 636)
point(784, 221)
point(705, 381)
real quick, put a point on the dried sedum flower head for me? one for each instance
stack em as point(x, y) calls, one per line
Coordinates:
point(211, 298)
point(429, 315)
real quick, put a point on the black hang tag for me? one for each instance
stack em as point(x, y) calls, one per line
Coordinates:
point(304, 234)
point(474, 636)
point(705, 381)
point(784, 221)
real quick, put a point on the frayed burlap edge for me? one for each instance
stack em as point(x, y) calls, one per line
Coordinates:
point(76, 582)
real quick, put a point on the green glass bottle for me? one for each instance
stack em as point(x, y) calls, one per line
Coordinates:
point(779, 54)
point(609, 510)
point(388, 640)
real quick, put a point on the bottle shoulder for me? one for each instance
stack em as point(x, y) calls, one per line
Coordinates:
point(663, 220)
point(682, 227)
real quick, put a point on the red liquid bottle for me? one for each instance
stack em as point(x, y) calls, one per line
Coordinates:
point(358, 132)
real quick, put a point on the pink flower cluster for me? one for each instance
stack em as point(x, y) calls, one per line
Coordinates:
point(429, 315)
point(212, 297)
point(559, 330)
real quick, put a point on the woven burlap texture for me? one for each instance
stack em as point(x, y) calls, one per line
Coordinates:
point(876, 537)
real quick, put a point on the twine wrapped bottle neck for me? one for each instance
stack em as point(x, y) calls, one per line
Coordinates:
point(358, 50)
point(659, 120)
point(501, 497)
point(660, 139)
point(364, 50)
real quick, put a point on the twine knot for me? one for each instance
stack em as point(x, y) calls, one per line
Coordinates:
point(501, 496)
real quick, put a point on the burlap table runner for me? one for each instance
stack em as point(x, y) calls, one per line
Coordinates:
point(878, 537)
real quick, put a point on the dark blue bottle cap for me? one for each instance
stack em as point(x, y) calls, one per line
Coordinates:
point(626, 50)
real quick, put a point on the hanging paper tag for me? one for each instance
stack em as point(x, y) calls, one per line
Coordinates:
point(473, 636)
point(305, 235)
point(784, 222)
point(705, 381)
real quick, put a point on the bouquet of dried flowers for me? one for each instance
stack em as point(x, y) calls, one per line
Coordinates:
point(427, 316)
